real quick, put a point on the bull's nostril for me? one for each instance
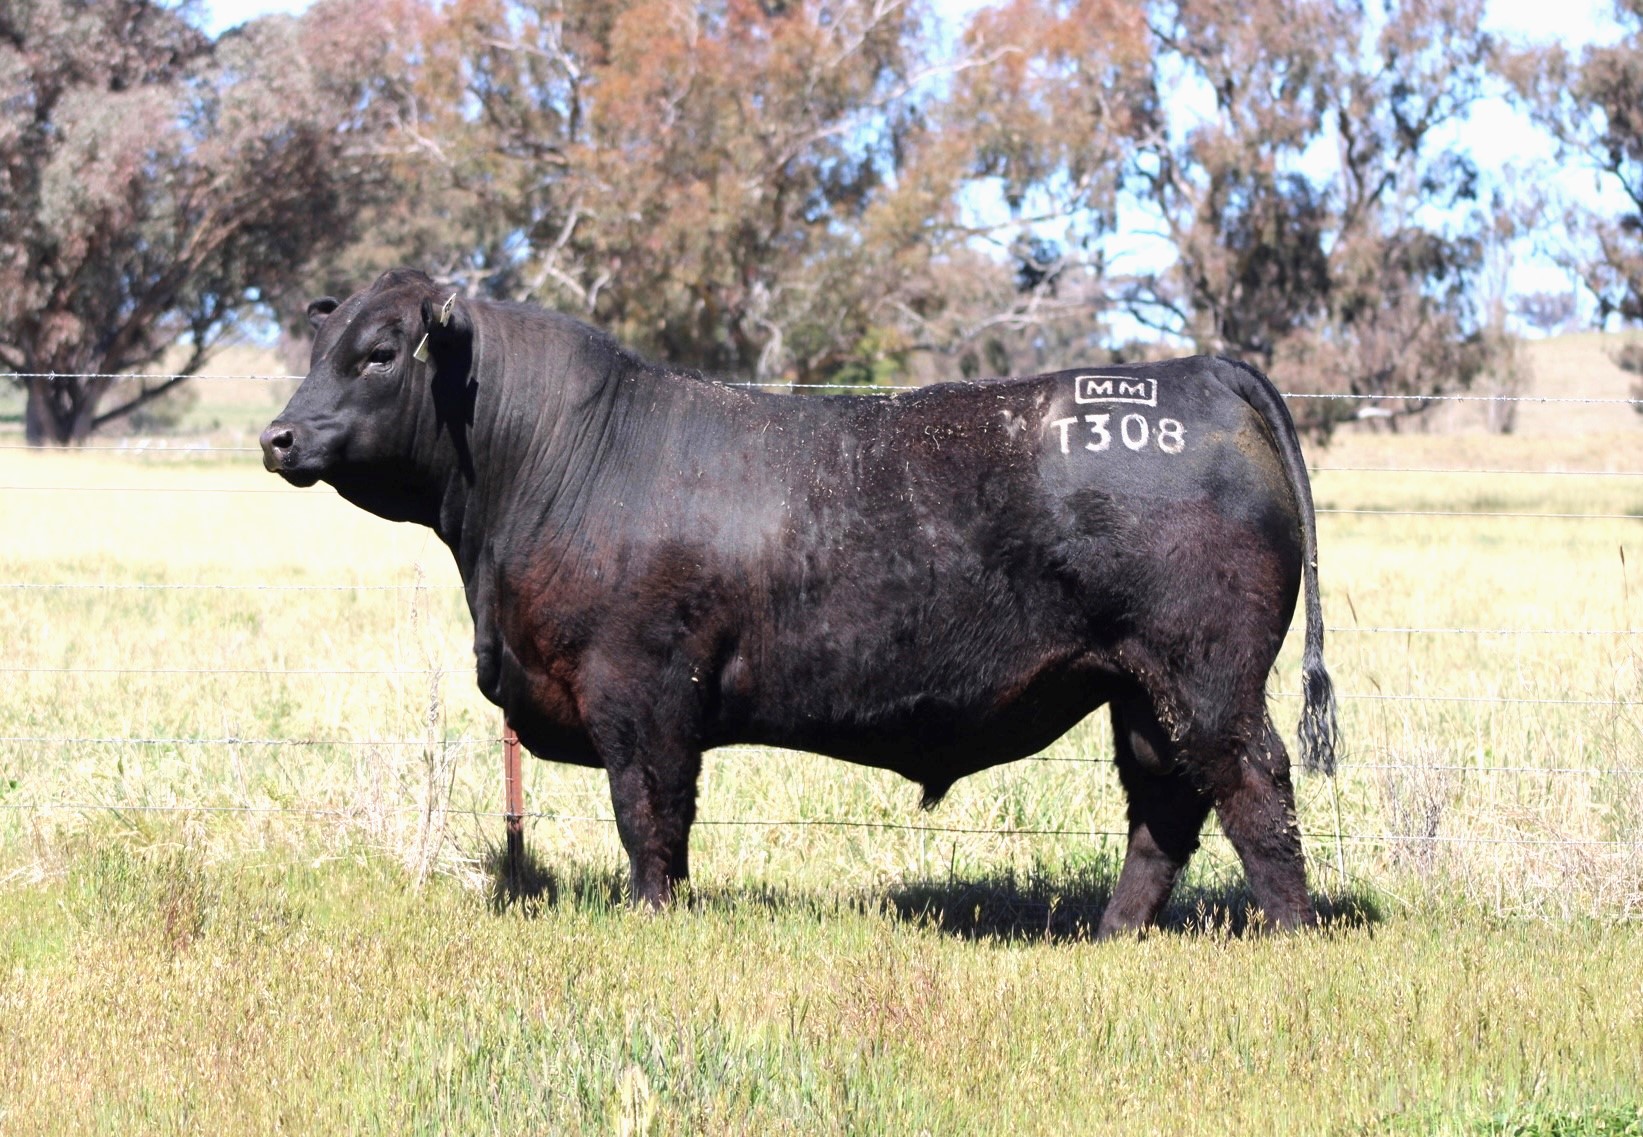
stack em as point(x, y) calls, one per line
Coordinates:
point(277, 441)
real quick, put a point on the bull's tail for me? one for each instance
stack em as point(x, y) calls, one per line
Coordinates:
point(1320, 734)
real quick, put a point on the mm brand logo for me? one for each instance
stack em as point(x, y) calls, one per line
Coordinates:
point(1115, 389)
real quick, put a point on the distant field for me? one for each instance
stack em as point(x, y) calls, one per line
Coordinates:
point(1577, 365)
point(247, 883)
point(223, 410)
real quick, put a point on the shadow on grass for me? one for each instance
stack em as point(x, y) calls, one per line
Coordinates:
point(1060, 903)
point(522, 881)
point(1066, 905)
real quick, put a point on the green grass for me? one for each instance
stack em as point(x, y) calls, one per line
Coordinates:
point(153, 992)
point(304, 929)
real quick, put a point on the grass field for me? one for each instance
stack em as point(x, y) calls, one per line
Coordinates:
point(247, 879)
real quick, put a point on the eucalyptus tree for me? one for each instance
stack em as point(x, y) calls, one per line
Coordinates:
point(155, 184)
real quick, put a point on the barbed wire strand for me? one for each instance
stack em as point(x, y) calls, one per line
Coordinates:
point(1332, 629)
point(1479, 513)
point(452, 668)
point(445, 669)
point(233, 740)
point(164, 451)
point(147, 449)
point(1412, 397)
point(293, 495)
point(798, 823)
point(1396, 630)
point(140, 586)
point(741, 752)
point(1479, 470)
point(1357, 696)
point(1321, 510)
point(152, 489)
point(145, 376)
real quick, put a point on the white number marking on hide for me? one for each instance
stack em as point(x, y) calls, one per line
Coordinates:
point(1098, 427)
point(1172, 436)
point(1134, 430)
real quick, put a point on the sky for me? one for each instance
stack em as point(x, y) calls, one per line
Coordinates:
point(224, 14)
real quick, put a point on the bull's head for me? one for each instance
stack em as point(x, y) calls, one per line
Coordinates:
point(389, 369)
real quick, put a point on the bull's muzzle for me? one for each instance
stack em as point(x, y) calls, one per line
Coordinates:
point(278, 441)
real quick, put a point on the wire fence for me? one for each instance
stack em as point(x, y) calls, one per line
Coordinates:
point(794, 823)
point(871, 388)
point(1540, 692)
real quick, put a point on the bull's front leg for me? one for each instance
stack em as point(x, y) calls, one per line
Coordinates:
point(650, 751)
point(654, 794)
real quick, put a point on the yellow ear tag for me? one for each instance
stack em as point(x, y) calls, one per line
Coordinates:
point(445, 309)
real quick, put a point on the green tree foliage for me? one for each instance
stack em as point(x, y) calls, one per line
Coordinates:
point(715, 182)
point(154, 185)
point(1319, 225)
point(806, 191)
point(775, 190)
point(1041, 123)
point(812, 191)
point(1593, 106)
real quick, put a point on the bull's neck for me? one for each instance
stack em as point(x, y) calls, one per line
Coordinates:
point(546, 428)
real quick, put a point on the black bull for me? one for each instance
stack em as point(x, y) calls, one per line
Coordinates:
point(933, 583)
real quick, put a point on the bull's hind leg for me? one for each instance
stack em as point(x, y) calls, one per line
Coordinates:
point(1166, 813)
point(1255, 802)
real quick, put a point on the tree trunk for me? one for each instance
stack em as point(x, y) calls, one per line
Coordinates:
point(61, 411)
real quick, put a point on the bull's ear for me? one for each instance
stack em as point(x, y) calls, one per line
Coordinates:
point(443, 322)
point(321, 308)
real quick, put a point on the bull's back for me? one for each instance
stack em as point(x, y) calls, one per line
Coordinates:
point(1012, 483)
point(963, 561)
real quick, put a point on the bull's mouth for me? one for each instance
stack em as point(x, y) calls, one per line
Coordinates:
point(288, 464)
point(300, 478)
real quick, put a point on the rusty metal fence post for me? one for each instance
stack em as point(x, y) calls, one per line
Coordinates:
point(514, 792)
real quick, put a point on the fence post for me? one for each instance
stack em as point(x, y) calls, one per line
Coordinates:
point(514, 792)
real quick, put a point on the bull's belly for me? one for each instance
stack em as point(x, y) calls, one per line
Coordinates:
point(936, 739)
point(933, 724)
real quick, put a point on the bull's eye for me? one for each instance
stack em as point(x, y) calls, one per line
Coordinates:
point(380, 357)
